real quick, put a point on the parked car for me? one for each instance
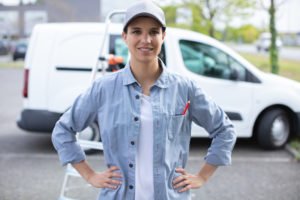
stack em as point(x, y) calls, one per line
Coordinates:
point(264, 42)
point(20, 49)
point(60, 58)
point(3, 48)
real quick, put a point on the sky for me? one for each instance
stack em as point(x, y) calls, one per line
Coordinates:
point(288, 15)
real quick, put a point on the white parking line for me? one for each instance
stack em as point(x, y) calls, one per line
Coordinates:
point(262, 159)
point(191, 158)
point(41, 155)
point(251, 159)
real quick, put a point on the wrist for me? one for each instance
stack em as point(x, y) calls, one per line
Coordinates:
point(84, 170)
point(207, 171)
point(88, 176)
point(203, 177)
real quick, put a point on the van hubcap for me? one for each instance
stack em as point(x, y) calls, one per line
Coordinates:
point(87, 134)
point(280, 130)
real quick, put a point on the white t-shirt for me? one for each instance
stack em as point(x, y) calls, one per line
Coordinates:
point(144, 188)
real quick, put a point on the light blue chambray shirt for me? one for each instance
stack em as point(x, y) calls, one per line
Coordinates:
point(114, 101)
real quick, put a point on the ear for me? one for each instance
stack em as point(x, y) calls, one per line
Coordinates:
point(163, 35)
point(124, 36)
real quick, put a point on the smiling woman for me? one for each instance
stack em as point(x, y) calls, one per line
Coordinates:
point(145, 112)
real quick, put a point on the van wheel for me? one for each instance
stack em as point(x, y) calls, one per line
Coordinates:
point(91, 133)
point(273, 129)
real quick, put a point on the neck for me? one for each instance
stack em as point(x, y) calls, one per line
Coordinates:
point(145, 73)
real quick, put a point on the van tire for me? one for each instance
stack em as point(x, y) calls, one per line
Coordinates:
point(273, 129)
point(91, 133)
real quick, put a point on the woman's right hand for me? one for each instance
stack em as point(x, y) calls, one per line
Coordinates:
point(106, 179)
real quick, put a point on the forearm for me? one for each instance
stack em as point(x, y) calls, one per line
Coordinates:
point(84, 169)
point(207, 171)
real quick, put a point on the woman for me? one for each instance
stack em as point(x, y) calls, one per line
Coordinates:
point(145, 114)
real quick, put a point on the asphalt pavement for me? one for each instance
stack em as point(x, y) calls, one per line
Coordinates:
point(29, 167)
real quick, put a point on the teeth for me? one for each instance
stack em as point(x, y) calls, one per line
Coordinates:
point(145, 49)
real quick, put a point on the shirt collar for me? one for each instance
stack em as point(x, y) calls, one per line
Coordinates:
point(128, 77)
point(162, 81)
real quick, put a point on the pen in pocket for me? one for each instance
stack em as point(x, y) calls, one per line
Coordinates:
point(186, 107)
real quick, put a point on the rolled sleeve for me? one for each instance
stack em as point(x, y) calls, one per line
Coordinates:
point(70, 153)
point(64, 141)
point(220, 150)
point(207, 114)
point(77, 118)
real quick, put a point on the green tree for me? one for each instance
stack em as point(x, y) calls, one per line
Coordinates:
point(273, 49)
point(214, 11)
point(272, 8)
point(170, 14)
point(248, 33)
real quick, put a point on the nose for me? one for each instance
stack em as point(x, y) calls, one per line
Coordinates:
point(146, 38)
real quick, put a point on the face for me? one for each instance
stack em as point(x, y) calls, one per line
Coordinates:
point(144, 38)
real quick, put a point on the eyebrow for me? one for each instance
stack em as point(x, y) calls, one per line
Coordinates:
point(135, 27)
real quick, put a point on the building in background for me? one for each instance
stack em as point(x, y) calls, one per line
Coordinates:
point(9, 24)
point(31, 18)
point(109, 5)
point(18, 21)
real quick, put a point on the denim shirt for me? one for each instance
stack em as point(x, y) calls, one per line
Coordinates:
point(114, 102)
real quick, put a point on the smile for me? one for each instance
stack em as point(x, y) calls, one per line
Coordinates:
point(145, 49)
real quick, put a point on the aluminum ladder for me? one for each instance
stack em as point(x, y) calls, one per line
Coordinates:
point(101, 62)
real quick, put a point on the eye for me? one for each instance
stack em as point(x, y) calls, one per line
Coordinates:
point(154, 32)
point(136, 32)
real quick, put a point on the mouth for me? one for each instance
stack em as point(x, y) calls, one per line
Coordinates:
point(145, 49)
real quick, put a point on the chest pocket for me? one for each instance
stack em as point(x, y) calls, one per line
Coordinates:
point(176, 126)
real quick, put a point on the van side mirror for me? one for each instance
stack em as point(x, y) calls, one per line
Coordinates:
point(234, 74)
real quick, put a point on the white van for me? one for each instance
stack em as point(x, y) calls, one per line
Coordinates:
point(60, 58)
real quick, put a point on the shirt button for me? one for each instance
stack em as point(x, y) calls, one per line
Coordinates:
point(131, 187)
point(130, 165)
point(132, 142)
point(136, 118)
point(137, 96)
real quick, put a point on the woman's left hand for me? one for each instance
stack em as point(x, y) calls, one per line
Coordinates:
point(187, 181)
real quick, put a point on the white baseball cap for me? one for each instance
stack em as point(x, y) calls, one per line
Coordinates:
point(144, 9)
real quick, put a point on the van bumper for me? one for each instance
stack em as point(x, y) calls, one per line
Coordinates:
point(37, 120)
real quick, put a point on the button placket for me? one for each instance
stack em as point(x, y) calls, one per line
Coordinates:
point(134, 130)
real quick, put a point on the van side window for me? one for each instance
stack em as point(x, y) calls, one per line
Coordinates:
point(118, 47)
point(209, 61)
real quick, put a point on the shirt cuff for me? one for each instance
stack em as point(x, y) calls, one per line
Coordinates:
point(71, 152)
point(217, 160)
